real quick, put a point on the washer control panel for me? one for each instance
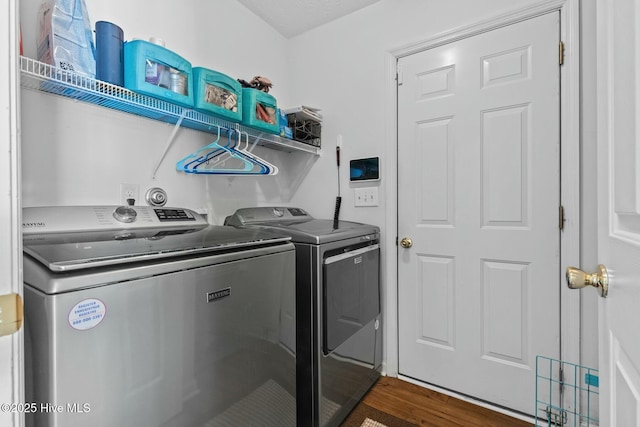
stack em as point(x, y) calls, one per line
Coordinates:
point(67, 219)
point(170, 214)
point(125, 214)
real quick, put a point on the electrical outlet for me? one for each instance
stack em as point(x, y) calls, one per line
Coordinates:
point(129, 191)
point(366, 196)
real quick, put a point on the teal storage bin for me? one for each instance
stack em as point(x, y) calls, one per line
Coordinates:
point(259, 110)
point(153, 70)
point(218, 94)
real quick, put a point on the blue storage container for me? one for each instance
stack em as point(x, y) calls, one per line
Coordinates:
point(153, 70)
point(218, 94)
point(259, 110)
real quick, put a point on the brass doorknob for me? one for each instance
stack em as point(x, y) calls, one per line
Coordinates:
point(578, 279)
point(406, 242)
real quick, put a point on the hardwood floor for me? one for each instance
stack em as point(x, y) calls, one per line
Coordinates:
point(425, 407)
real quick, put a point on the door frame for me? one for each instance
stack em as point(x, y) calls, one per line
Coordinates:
point(11, 346)
point(569, 167)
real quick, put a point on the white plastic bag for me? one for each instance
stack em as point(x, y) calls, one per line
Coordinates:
point(65, 39)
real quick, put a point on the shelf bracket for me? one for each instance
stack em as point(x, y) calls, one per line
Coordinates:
point(169, 142)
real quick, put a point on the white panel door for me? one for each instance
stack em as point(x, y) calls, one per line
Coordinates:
point(479, 191)
point(619, 209)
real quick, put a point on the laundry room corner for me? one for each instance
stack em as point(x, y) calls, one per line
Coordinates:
point(81, 154)
point(420, 225)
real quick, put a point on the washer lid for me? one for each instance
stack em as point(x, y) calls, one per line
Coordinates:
point(320, 231)
point(298, 224)
point(74, 251)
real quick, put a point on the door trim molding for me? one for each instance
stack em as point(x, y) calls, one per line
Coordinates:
point(493, 23)
point(569, 165)
point(12, 346)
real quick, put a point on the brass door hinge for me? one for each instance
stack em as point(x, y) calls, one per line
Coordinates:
point(10, 314)
point(561, 53)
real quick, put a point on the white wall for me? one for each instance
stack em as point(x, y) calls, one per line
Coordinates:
point(76, 153)
point(341, 67)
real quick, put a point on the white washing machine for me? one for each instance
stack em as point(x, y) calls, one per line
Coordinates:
point(142, 316)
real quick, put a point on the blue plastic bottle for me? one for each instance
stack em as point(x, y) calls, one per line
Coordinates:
point(109, 53)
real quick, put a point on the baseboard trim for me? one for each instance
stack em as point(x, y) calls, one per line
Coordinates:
point(468, 399)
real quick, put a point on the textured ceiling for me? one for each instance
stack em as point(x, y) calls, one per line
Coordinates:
point(293, 17)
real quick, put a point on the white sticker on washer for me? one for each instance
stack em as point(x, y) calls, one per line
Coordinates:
point(87, 314)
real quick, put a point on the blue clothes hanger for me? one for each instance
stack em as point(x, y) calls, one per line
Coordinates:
point(184, 164)
point(214, 158)
point(216, 161)
point(236, 146)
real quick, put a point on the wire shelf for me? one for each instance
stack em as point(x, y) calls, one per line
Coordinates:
point(43, 77)
point(566, 394)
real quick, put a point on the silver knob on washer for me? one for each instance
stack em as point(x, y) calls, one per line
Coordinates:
point(156, 196)
point(125, 214)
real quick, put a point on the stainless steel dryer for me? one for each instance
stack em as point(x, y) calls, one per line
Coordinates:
point(339, 335)
point(141, 316)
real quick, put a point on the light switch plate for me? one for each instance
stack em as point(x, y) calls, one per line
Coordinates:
point(367, 196)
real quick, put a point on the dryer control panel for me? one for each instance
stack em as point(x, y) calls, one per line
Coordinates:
point(261, 215)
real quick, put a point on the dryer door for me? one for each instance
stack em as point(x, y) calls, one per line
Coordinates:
point(351, 292)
